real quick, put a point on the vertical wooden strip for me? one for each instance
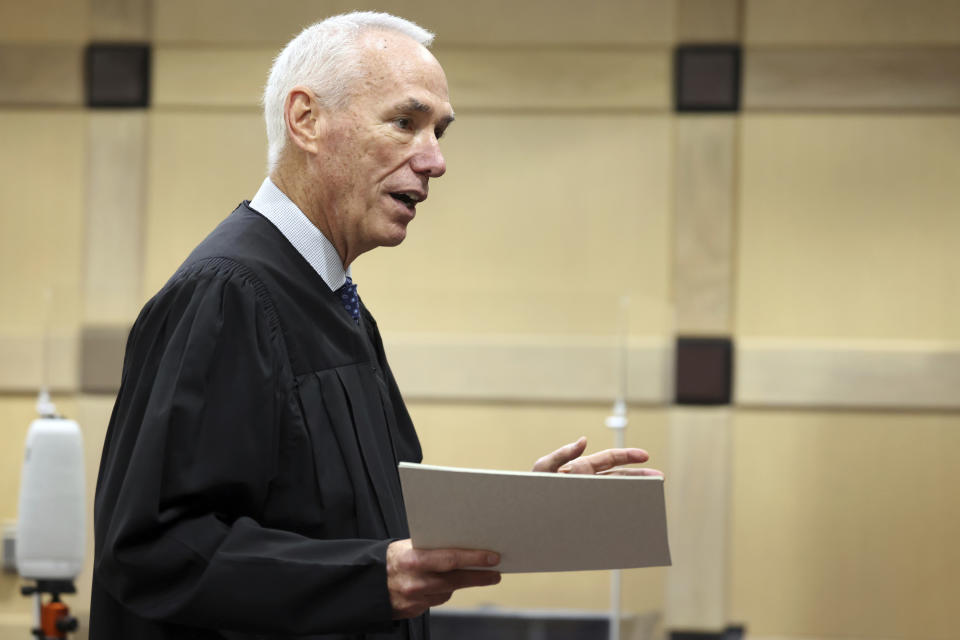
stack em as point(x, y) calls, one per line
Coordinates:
point(703, 223)
point(115, 205)
point(698, 505)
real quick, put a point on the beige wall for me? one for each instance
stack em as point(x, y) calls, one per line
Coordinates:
point(829, 205)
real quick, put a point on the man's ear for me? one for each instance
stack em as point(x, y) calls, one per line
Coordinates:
point(303, 118)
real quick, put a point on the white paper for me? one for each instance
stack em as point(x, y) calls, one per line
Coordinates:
point(539, 521)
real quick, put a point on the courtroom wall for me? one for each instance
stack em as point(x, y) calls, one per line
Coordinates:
point(812, 229)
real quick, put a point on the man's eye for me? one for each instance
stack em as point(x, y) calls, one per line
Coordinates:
point(402, 123)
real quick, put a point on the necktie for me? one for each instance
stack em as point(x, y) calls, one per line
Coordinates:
point(348, 296)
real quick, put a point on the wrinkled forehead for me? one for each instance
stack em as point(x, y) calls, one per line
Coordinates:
point(392, 59)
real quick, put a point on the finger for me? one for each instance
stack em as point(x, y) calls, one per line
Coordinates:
point(629, 471)
point(553, 461)
point(440, 583)
point(444, 560)
point(603, 460)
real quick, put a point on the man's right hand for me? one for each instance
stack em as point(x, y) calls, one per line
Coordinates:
point(422, 578)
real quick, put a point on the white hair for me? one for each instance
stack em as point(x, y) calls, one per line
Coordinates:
point(324, 57)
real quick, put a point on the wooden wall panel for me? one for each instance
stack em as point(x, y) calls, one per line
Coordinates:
point(556, 79)
point(44, 21)
point(709, 21)
point(41, 232)
point(848, 374)
point(528, 368)
point(539, 226)
point(848, 227)
point(41, 75)
point(704, 213)
point(200, 166)
point(549, 79)
point(120, 20)
point(31, 358)
point(852, 22)
point(497, 22)
point(115, 202)
point(852, 79)
point(698, 507)
point(845, 524)
point(206, 78)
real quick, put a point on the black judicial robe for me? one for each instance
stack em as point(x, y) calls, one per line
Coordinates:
point(248, 484)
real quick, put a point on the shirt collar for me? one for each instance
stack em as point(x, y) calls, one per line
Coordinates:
point(305, 237)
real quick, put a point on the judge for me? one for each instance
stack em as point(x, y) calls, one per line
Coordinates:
point(248, 483)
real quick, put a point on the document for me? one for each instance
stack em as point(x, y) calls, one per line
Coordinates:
point(538, 521)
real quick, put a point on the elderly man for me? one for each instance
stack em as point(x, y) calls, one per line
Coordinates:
point(248, 483)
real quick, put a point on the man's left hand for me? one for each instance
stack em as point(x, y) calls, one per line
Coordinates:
point(570, 459)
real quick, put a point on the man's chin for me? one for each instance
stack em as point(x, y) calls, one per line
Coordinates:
point(394, 236)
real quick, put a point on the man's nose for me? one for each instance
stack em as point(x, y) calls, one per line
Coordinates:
point(429, 160)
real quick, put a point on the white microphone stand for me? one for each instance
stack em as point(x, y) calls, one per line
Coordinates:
point(617, 421)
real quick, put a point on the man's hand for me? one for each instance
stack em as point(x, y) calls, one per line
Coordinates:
point(422, 578)
point(570, 459)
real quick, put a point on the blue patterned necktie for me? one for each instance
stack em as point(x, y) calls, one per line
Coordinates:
point(348, 296)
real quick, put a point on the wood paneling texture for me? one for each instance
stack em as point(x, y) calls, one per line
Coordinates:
point(852, 79)
point(845, 524)
point(121, 20)
point(848, 374)
point(541, 224)
point(708, 21)
point(851, 22)
point(704, 214)
point(45, 21)
point(34, 75)
point(561, 369)
point(698, 503)
point(848, 227)
point(115, 203)
point(497, 22)
point(481, 78)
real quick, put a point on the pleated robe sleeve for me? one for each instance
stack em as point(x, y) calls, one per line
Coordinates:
point(186, 471)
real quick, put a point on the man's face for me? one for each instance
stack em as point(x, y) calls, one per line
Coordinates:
point(380, 151)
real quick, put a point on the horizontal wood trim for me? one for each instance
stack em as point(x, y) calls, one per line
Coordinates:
point(41, 75)
point(550, 79)
point(767, 372)
point(828, 374)
point(843, 78)
point(708, 20)
point(558, 78)
point(494, 22)
point(523, 368)
point(204, 77)
point(852, 22)
point(22, 357)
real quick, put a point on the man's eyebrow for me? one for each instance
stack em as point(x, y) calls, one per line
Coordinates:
point(415, 105)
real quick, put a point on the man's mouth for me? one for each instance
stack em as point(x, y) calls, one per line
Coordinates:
point(409, 199)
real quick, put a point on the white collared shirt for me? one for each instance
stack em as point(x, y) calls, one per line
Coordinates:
point(315, 248)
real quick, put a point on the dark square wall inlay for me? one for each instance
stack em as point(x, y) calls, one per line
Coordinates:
point(707, 78)
point(118, 75)
point(704, 371)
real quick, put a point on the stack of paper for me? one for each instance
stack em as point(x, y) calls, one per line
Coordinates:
point(539, 521)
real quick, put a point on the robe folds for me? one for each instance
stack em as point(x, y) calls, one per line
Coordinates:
point(248, 485)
